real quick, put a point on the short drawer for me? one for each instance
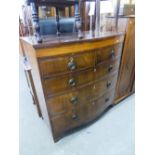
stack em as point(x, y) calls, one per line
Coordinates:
point(76, 117)
point(71, 81)
point(65, 64)
point(110, 52)
point(62, 103)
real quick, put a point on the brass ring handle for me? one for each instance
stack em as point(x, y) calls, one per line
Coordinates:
point(72, 82)
point(112, 53)
point(74, 116)
point(74, 100)
point(72, 65)
point(107, 99)
point(110, 68)
point(108, 84)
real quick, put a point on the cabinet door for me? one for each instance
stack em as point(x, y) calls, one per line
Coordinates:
point(127, 68)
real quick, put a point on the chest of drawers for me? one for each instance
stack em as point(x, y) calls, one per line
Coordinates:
point(74, 80)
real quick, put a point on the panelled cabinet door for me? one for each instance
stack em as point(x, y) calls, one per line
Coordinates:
point(127, 68)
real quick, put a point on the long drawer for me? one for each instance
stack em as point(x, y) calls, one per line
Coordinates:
point(79, 116)
point(71, 81)
point(62, 103)
point(75, 62)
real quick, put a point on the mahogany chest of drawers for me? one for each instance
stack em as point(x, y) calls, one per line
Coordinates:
point(74, 80)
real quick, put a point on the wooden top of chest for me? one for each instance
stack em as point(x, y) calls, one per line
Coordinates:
point(54, 40)
point(67, 44)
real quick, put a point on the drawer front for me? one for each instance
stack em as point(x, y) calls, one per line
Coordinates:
point(76, 117)
point(60, 104)
point(65, 64)
point(72, 81)
point(75, 62)
point(98, 105)
point(109, 67)
point(110, 52)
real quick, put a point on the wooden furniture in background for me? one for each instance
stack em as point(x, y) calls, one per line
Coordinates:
point(29, 78)
point(125, 84)
point(58, 6)
point(126, 79)
point(63, 7)
point(74, 79)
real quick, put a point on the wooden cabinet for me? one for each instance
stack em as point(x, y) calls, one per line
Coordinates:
point(75, 80)
point(126, 78)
